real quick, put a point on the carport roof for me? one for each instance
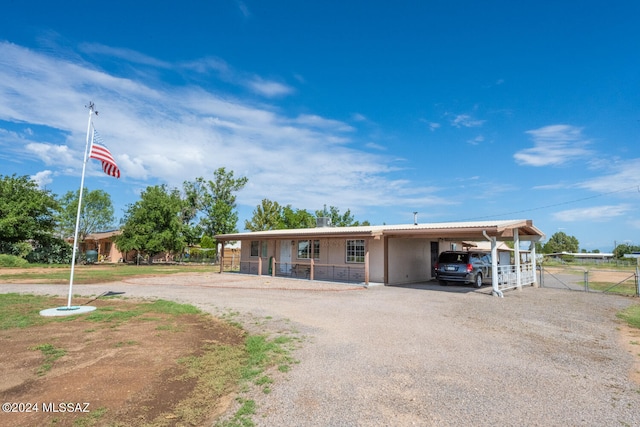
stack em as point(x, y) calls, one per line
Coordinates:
point(502, 230)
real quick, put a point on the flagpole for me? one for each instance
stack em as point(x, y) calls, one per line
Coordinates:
point(75, 236)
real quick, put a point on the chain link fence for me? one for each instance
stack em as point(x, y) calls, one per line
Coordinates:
point(621, 281)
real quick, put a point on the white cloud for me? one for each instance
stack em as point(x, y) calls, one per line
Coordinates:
point(625, 176)
point(465, 120)
point(477, 140)
point(43, 178)
point(553, 145)
point(128, 55)
point(243, 8)
point(357, 117)
point(164, 134)
point(596, 213)
point(322, 123)
point(52, 154)
point(375, 146)
point(269, 88)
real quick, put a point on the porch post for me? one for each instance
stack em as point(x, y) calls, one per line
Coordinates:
point(259, 266)
point(385, 259)
point(366, 265)
point(516, 252)
point(222, 257)
point(494, 268)
point(273, 266)
point(534, 263)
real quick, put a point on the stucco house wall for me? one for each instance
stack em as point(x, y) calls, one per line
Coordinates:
point(409, 260)
point(396, 254)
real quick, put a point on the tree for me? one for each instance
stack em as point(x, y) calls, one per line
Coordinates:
point(561, 242)
point(96, 213)
point(26, 213)
point(191, 205)
point(219, 202)
point(266, 216)
point(337, 220)
point(622, 249)
point(298, 218)
point(153, 224)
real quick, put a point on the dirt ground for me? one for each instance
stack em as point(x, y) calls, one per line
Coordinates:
point(131, 371)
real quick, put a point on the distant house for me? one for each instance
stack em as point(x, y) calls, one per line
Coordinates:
point(103, 244)
point(384, 254)
point(582, 256)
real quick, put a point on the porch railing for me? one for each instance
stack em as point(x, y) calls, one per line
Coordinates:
point(305, 270)
point(508, 276)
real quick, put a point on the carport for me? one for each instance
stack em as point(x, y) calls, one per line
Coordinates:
point(453, 235)
point(385, 254)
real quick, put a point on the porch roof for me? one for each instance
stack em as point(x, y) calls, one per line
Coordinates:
point(502, 230)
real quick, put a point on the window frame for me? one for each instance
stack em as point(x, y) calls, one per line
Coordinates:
point(306, 254)
point(355, 251)
point(254, 249)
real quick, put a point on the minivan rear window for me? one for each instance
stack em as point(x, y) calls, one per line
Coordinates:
point(451, 257)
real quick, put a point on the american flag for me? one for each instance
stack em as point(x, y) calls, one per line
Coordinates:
point(100, 152)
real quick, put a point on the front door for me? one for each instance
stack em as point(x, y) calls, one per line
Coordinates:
point(434, 258)
point(285, 256)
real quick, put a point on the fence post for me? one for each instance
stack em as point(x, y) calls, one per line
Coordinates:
point(273, 266)
point(586, 281)
point(638, 280)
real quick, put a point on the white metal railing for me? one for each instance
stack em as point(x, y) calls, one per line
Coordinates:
point(508, 276)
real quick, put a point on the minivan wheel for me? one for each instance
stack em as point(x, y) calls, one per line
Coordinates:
point(478, 280)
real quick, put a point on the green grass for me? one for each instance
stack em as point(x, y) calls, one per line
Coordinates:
point(631, 315)
point(216, 369)
point(91, 419)
point(51, 354)
point(21, 311)
point(625, 288)
point(100, 273)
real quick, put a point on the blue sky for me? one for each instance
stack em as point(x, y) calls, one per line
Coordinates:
point(459, 110)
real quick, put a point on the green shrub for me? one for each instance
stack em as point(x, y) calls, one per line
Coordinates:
point(51, 250)
point(12, 261)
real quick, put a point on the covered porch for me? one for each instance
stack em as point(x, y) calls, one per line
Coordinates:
point(387, 254)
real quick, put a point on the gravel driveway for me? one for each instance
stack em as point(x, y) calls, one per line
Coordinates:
point(423, 355)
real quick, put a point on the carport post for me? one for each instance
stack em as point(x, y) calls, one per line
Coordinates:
point(221, 257)
point(494, 268)
point(516, 247)
point(494, 265)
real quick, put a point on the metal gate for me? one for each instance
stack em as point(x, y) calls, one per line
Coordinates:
point(623, 282)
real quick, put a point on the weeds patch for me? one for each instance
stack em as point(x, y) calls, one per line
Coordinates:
point(51, 354)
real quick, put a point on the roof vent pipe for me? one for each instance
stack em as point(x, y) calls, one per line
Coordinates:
point(415, 218)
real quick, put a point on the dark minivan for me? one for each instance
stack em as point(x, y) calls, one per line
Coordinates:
point(463, 267)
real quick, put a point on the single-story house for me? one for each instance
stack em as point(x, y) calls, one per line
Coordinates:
point(102, 243)
point(381, 254)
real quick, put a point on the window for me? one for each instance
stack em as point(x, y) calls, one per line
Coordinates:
point(305, 249)
point(355, 250)
point(255, 248)
point(259, 248)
